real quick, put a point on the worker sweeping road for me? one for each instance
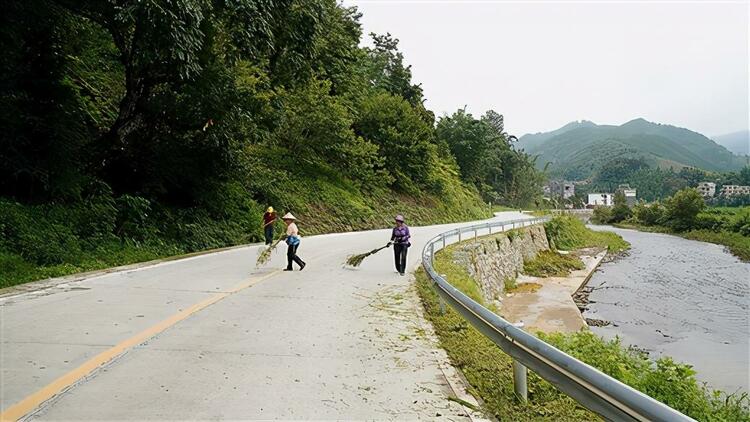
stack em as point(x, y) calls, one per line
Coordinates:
point(292, 241)
point(269, 218)
point(400, 240)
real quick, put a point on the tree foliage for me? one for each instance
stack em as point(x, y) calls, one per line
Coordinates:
point(486, 157)
point(158, 123)
point(682, 209)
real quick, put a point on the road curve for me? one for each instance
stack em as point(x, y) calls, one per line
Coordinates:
point(212, 337)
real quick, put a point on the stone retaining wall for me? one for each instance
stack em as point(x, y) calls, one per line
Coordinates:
point(492, 259)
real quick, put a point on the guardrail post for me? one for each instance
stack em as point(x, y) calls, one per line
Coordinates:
point(519, 381)
point(459, 235)
point(475, 234)
point(443, 241)
point(432, 254)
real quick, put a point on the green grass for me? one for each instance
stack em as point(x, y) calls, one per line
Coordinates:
point(737, 244)
point(488, 369)
point(568, 233)
point(552, 264)
point(15, 270)
point(457, 274)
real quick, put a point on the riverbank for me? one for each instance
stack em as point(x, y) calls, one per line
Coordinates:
point(735, 243)
point(546, 304)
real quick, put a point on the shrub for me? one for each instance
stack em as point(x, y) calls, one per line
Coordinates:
point(706, 221)
point(665, 380)
point(682, 209)
point(132, 218)
point(649, 215)
point(602, 215)
point(620, 211)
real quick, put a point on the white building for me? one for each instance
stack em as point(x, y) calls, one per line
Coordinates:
point(601, 199)
point(735, 190)
point(707, 189)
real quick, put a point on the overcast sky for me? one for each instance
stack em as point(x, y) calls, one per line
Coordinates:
point(543, 64)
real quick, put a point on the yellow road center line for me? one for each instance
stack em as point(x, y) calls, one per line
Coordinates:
point(18, 410)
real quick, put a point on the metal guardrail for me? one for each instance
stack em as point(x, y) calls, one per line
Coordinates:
point(590, 387)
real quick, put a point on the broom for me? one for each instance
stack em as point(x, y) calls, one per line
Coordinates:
point(265, 254)
point(355, 260)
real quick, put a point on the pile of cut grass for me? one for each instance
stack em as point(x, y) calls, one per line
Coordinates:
point(552, 264)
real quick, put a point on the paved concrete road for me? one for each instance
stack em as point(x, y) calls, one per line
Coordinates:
point(325, 343)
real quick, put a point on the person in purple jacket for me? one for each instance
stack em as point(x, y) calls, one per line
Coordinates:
point(400, 241)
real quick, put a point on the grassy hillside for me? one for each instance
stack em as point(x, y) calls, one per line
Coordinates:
point(577, 152)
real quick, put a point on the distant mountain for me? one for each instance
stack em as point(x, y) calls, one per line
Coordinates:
point(533, 140)
point(737, 142)
point(578, 149)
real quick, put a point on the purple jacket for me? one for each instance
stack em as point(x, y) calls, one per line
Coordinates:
point(401, 235)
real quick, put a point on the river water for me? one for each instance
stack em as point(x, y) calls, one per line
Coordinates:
point(681, 298)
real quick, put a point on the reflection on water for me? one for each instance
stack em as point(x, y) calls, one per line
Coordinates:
point(680, 298)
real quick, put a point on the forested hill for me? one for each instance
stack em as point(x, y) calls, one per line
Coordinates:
point(136, 129)
point(578, 150)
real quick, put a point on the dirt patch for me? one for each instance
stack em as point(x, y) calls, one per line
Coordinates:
point(525, 288)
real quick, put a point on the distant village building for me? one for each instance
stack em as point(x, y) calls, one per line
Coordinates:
point(735, 190)
point(562, 189)
point(630, 194)
point(601, 199)
point(707, 189)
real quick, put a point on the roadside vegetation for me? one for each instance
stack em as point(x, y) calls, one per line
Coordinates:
point(685, 214)
point(52, 240)
point(568, 233)
point(131, 134)
point(489, 370)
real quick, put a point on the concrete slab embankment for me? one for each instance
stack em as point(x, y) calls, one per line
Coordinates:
point(540, 304)
point(550, 306)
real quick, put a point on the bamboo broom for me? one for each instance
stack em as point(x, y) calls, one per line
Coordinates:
point(356, 260)
point(265, 254)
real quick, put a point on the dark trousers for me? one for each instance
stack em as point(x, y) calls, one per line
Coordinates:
point(291, 256)
point(268, 230)
point(399, 254)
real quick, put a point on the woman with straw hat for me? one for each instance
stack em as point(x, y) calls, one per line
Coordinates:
point(400, 239)
point(292, 241)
